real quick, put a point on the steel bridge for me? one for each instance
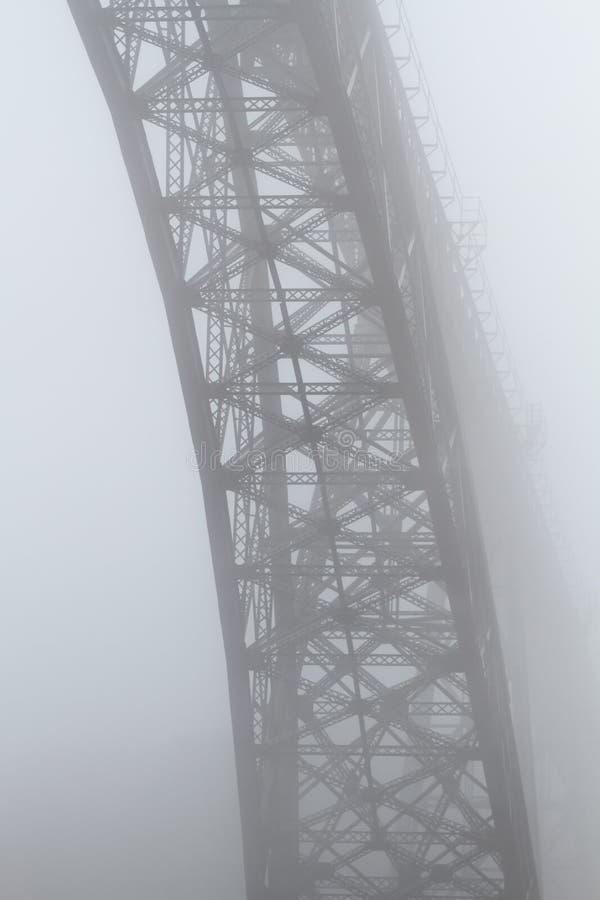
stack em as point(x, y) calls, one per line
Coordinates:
point(350, 405)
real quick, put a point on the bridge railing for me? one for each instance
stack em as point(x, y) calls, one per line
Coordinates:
point(467, 222)
point(465, 214)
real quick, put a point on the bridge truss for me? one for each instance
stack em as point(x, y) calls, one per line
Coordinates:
point(270, 146)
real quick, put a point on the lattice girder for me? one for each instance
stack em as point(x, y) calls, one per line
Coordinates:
point(370, 711)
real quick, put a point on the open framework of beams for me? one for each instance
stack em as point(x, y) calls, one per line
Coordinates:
point(370, 711)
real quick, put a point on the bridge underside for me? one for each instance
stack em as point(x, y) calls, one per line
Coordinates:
point(370, 710)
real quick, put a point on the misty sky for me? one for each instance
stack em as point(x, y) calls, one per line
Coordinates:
point(116, 776)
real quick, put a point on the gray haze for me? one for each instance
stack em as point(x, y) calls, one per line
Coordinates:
point(515, 84)
point(116, 774)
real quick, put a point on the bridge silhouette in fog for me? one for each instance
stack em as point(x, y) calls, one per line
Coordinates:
point(401, 661)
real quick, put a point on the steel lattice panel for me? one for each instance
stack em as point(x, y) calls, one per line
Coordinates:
point(375, 752)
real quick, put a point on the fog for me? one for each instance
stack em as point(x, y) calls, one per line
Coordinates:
point(515, 86)
point(116, 770)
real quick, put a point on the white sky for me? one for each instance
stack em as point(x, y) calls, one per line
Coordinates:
point(112, 677)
